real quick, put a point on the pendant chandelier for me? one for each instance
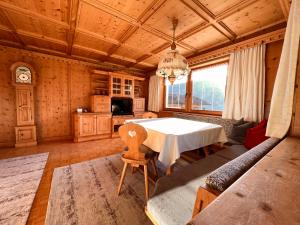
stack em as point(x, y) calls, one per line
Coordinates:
point(173, 65)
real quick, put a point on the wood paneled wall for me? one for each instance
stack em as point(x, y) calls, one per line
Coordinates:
point(295, 127)
point(273, 52)
point(62, 86)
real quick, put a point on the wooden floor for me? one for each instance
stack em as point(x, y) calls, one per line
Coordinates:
point(60, 154)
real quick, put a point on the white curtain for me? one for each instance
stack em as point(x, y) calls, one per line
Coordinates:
point(154, 94)
point(245, 87)
point(283, 92)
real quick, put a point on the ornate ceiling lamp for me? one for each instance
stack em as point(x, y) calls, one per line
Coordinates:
point(173, 65)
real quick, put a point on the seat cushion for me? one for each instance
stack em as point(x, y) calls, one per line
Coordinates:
point(149, 153)
point(227, 174)
point(174, 196)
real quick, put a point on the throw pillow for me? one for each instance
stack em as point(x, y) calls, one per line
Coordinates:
point(239, 131)
point(256, 135)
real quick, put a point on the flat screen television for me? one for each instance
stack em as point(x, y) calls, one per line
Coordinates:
point(121, 106)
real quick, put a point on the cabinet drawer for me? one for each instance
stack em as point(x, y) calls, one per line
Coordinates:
point(100, 103)
point(25, 134)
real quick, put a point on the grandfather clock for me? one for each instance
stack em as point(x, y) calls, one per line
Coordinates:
point(23, 78)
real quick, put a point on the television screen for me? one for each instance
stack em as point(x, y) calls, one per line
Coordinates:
point(121, 106)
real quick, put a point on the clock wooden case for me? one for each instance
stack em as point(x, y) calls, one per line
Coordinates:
point(24, 78)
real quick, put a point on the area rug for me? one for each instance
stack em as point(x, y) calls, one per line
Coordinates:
point(86, 193)
point(19, 181)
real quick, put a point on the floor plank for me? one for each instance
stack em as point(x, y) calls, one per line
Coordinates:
point(60, 154)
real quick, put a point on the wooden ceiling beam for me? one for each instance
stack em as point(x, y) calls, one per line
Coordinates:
point(44, 50)
point(209, 17)
point(12, 27)
point(193, 30)
point(150, 10)
point(9, 7)
point(80, 47)
point(106, 39)
point(62, 56)
point(285, 7)
point(147, 13)
point(41, 37)
point(74, 13)
point(35, 36)
point(128, 19)
point(234, 9)
point(115, 56)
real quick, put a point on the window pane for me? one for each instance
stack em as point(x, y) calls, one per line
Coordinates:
point(175, 94)
point(209, 87)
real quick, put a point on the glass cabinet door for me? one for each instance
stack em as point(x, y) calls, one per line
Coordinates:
point(128, 87)
point(116, 85)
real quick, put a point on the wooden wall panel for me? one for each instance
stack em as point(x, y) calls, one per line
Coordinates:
point(80, 87)
point(62, 86)
point(295, 127)
point(7, 101)
point(273, 52)
point(52, 111)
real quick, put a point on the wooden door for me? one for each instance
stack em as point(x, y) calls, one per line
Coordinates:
point(116, 85)
point(128, 89)
point(87, 125)
point(104, 124)
point(25, 105)
point(139, 104)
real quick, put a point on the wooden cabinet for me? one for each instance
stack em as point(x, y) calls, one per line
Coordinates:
point(139, 105)
point(87, 125)
point(128, 89)
point(103, 124)
point(91, 126)
point(122, 85)
point(100, 103)
point(118, 121)
point(25, 136)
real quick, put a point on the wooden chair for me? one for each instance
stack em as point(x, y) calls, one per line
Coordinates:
point(149, 115)
point(137, 154)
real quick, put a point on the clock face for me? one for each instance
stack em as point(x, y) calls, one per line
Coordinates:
point(23, 75)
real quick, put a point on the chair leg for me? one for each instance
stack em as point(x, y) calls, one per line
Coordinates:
point(146, 182)
point(154, 167)
point(206, 151)
point(122, 177)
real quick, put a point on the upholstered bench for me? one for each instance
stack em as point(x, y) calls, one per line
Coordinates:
point(178, 197)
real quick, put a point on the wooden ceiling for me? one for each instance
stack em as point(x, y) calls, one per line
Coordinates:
point(133, 34)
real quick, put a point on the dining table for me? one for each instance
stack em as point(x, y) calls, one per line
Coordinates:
point(172, 136)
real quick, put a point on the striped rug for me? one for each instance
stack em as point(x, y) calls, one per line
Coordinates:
point(19, 181)
point(86, 194)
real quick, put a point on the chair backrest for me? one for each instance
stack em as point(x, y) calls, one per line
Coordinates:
point(149, 115)
point(133, 136)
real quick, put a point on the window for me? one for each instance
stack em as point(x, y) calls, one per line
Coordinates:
point(175, 94)
point(208, 85)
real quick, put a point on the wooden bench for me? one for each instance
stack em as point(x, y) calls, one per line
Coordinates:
point(267, 194)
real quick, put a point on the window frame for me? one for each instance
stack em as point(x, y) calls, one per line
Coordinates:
point(189, 92)
point(175, 109)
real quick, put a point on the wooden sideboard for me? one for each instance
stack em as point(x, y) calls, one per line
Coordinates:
point(100, 123)
point(91, 126)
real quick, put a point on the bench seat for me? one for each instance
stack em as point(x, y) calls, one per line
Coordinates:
point(174, 196)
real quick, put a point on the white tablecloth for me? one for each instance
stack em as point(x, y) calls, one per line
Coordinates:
point(172, 136)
